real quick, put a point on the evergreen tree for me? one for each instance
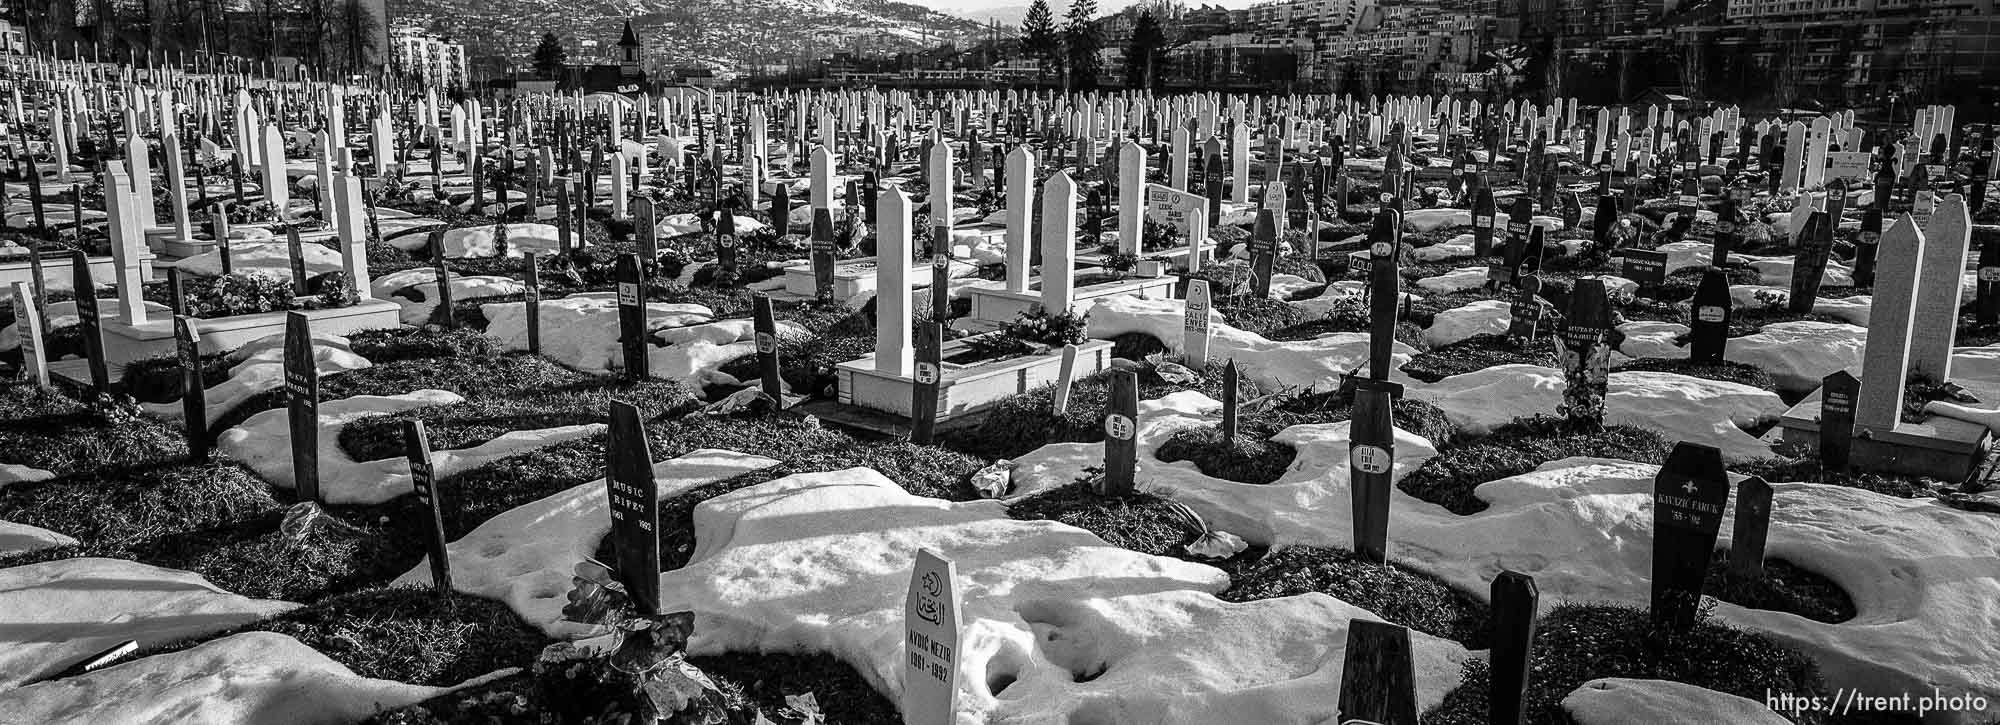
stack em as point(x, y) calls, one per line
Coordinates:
point(1145, 52)
point(1081, 42)
point(1039, 39)
point(550, 56)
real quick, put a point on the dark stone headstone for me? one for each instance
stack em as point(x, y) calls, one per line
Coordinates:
point(929, 376)
point(1753, 527)
point(635, 507)
point(1525, 314)
point(1515, 600)
point(444, 313)
point(781, 208)
point(1230, 381)
point(1865, 246)
point(564, 240)
point(1988, 299)
point(1708, 326)
point(1263, 246)
point(1645, 266)
point(1689, 494)
point(822, 255)
point(1602, 221)
point(532, 297)
point(89, 320)
point(1583, 339)
point(194, 391)
point(1483, 211)
point(302, 404)
point(1384, 244)
point(1371, 459)
point(1572, 209)
point(632, 330)
point(1377, 680)
point(767, 349)
point(423, 479)
point(1838, 392)
point(1121, 435)
point(726, 252)
point(1809, 266)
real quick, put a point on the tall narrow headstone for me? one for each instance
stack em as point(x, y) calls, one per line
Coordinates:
point(928, 379)
point(302, 404)
point(423, 479)
point(632, 331)
point(1752, 528)
point(28, 329)
point(1371, 457)
point(635, 507)
point(194, 392)
point(89, 320)
point(1947, 239)
point(1514, 602)
point(1195, 324)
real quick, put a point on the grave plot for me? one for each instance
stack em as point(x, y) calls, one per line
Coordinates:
point(330, 403)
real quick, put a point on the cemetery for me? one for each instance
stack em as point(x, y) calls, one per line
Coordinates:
point(335, 403)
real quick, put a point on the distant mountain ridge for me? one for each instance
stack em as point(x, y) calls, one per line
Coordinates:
point(728, 34)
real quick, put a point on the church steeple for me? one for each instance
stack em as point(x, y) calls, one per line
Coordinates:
point(628, 52)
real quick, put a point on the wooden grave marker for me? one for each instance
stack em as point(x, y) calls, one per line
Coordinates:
point(1371, 459)
point(926, 381)
point(632, 330)
point(1752, 528)
point(1377, 678)
point(1121, 435)
point(423, 479)
point(194, 392)
point(1514, 601)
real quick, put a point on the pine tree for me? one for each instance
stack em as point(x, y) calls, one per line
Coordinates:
point(1039, 39)
point(550, 56)
point(1081, 42)
point(1145, 52)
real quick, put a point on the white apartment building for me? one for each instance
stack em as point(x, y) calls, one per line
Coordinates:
point(438, 61)
point(1750, 10)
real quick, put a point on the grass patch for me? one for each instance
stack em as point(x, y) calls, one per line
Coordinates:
point(1415, 416)
point(590, 691)
point(1577, 643)
point(1478, 353)
point(1393, 591)
point(1249, 458)
point(1786, 587)
point(43, 428)
point(1141, 522)
point(1449, 478)
point(582, 399)
point(388, 346)
point(1725, 371)
point(158, 379)
point(405, 634)
point(1025, 422)
point(1805, 467)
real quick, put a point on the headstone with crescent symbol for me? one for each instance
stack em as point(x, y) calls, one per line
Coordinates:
point(931, 642)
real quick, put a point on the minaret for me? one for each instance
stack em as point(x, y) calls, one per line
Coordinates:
point(628, 53)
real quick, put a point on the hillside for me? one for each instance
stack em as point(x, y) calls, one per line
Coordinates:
point(729, 34)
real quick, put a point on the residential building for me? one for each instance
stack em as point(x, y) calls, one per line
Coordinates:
point(431, 60)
